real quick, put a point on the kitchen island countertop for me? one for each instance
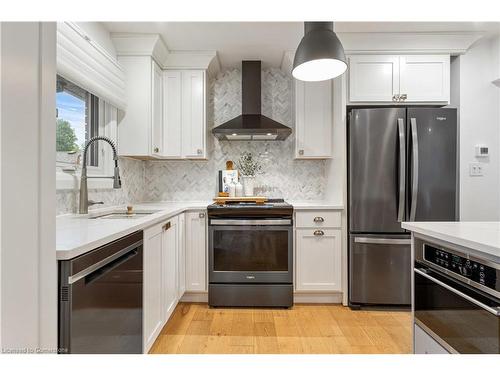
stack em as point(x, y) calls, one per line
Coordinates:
point(481, 238)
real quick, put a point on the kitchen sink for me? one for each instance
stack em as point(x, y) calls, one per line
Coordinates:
point(124, 215)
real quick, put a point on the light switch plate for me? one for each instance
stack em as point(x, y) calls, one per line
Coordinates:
point(475, 169)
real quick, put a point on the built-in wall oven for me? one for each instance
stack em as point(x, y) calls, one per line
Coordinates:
point(456, 298)
point(250, 256)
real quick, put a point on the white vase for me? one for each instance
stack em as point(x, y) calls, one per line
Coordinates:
point(248, 184)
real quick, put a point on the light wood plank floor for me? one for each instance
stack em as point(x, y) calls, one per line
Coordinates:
point(308, 329)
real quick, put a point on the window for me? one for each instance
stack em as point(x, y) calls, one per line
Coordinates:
point(77, 121)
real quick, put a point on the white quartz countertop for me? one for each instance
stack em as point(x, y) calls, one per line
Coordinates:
point(479, 237)
point(77, 234)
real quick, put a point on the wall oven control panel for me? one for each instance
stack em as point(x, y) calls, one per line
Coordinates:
point(476, 271)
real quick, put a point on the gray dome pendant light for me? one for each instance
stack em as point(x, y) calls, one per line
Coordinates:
point(320, 55)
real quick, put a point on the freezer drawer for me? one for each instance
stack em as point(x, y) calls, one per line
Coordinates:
point(379, 270)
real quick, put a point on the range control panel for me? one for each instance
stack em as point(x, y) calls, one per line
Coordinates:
point(472, 270)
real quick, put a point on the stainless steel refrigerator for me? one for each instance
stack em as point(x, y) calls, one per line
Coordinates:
point(402, 166)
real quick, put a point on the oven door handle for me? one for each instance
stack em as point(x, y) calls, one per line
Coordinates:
point(251, 222)
point(492, 310)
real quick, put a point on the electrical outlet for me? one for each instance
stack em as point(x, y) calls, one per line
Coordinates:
point(475, 169)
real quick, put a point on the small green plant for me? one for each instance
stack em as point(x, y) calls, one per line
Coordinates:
point(248, 165)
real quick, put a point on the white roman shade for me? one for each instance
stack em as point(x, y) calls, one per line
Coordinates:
point(87, 64)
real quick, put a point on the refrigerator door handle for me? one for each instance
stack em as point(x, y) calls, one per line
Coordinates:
point(402, 169)
point(414, 188)
point(383, 241)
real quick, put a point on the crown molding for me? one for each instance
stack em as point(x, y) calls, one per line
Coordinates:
point(206, 60)
point(131, 44)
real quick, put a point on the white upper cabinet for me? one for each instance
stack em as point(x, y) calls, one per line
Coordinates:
point(185, 114)
point(373, 78)
point(425, 78)
point(139, 129)
point(157, 111)
point(172, 83)
point(313, 119)
point(400, 79)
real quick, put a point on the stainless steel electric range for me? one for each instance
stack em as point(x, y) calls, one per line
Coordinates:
point(251, 254)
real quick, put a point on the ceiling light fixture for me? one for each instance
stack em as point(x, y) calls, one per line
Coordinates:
point(320, 55)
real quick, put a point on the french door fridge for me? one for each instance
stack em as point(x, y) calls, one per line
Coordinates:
point(402, 166)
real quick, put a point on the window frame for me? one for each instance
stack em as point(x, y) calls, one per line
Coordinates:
point(107, 126)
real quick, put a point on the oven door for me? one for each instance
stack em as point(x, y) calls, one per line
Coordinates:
point(250, 251)
point(460, 318)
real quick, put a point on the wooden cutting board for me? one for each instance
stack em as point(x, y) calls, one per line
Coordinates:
point(224, 200)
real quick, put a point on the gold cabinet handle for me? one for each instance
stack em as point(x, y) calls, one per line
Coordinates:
point(318, 233)
point(301, 152)
point(318, 219)
point(167, 226)
point(403, 97)
point(157, 149)
point(201, 215)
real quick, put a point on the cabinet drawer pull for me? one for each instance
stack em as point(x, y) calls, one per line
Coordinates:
point(318, 233)
point(201, 215)
point(199, 151)
point(403, 97)
point(157, 150)
point(318, 219)
point(301, 152)
point(167, 226)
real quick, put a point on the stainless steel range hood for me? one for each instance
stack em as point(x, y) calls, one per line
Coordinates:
point(251, 125)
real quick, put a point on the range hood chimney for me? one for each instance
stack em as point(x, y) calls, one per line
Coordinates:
point(251, 125)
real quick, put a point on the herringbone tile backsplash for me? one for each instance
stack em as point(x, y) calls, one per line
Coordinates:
point(283, 177)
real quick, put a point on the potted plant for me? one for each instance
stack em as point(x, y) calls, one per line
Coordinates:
point(248, 166)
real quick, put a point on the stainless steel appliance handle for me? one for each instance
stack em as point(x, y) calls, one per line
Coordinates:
point(94, 267)
point(251, 222)
point(492, 310)
point(414, 188)
point(402, 169)
point(382, 241)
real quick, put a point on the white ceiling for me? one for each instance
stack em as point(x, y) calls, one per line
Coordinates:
point(266, 41)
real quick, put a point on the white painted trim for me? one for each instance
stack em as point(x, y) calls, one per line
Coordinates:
point(87, 64)
point(1, 226)
point(314, 297)
point(136, 44)
point(195, 297)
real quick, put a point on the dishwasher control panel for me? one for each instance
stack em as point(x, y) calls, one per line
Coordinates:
point(480, 272)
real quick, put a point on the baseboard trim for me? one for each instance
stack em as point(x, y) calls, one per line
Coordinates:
point(317, 297)
point(195, 297)
point(298, 297)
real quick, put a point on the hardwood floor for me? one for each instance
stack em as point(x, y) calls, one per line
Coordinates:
point(306, 329)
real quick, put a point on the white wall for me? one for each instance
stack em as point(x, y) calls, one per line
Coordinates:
point(27, 147)
point(480, 124)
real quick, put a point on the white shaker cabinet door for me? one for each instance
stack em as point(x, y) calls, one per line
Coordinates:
point(425, 78)
point(314, 119)
point(193, 114)
point(318, 260)
point(196, 261)
point(181, 257)
point(373, 78)
point(169, 267)
point(152, 287)
point(172, 89)
point(157, 110)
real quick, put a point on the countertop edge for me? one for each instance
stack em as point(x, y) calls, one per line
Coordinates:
point(467, 243)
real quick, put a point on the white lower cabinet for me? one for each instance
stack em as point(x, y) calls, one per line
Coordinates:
point(423, 343)
point(170, 267)
point(318, 259)
point(152, 287)
point(196, 260)
point(318, 251)
point(181, 256)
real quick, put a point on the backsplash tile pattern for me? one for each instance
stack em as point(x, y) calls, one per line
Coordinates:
point(283, 175)
point(132, 175)
point(174, 180)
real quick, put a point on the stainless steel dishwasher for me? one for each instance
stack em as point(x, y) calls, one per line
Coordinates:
point(100, 299)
